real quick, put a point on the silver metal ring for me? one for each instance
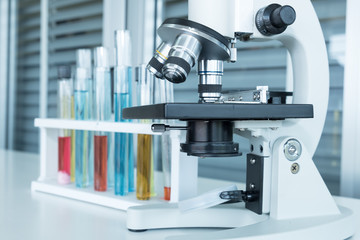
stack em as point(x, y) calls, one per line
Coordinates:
point(199, 33)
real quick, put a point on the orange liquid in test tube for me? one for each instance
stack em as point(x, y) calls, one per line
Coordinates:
point(100, 163)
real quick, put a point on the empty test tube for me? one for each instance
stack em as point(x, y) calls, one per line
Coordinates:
point(65, 89)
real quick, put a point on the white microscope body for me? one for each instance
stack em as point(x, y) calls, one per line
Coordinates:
point(296, 203)
point(306, 45)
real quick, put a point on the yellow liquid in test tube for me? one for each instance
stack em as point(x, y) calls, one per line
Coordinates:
point(144, 156)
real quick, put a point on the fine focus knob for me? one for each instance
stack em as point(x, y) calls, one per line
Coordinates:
point(274, 19)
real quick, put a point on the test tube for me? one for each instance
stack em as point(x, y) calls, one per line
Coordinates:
point(91, 116)
point(124, 162)
point(81, 99)
point(73, 145)
point(65, 89)
point(164, 93)
point(103, 163)
point(166, 144)
point(158, 96)
point(144, 143)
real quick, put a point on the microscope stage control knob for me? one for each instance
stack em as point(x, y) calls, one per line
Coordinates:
point(274, 19)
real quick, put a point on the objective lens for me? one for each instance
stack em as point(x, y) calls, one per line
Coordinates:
point(182, 57)
point(157, 62)
point(210, 80)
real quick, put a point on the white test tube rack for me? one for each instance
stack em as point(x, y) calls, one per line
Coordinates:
point(183, 168)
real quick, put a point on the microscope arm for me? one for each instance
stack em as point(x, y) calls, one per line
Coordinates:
point(306, 45)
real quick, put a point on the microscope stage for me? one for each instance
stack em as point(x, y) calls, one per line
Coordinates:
point(219, 111)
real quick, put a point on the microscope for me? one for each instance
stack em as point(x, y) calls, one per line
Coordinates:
point(285, 196)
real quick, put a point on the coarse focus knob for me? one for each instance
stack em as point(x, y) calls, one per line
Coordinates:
point(274, 19)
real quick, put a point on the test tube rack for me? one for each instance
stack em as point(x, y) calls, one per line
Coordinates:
point(183, 174)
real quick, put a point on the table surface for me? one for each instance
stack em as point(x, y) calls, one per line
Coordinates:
point(32, 215)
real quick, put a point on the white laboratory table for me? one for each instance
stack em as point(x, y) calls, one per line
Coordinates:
point(33, 215)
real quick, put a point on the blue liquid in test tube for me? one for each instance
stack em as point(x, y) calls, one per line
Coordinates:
point(81, 140)
point(124, 158)
point(81, 99)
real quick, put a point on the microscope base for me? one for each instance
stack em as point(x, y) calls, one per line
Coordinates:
point(334, 227)
point(245, 224)
point(158, 216)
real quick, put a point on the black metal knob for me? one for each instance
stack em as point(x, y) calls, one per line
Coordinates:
point(158, 127)
point(283, 16)
point(274, 19)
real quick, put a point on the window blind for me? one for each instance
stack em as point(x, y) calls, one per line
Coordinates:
point(73, 24)
point(28, 65)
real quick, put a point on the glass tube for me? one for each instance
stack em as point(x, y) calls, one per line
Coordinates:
point(166, 165)
point(81, 99)
point(163, 93)
point(124, 162)
point(166, 144)
point(144, 147)
point(73, 146)
point(91, 116)
point(104, 164)
point(157, 97)
point(65, 89)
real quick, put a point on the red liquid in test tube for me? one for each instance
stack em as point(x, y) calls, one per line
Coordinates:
point(100, 161)
point(167, 193)
point(64, 159)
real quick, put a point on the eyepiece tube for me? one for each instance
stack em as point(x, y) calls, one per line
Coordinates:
point(157, 62)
